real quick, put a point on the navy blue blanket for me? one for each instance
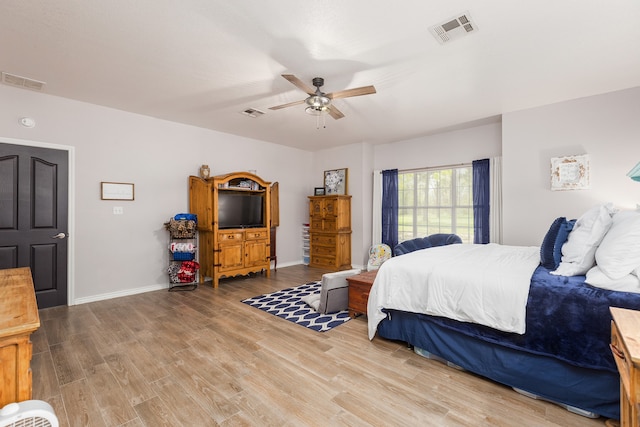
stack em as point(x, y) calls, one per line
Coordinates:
point(566, 319)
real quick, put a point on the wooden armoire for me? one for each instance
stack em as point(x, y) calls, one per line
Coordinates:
point(227, 246)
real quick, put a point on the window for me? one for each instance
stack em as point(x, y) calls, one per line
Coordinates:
point(435, 201)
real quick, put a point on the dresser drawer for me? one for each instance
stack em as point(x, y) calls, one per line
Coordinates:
point(329, 225)
point(322, 261)
point(230, 236)
point(322, 239)
point(316, 224)
point(326, 251)
point(255, 234)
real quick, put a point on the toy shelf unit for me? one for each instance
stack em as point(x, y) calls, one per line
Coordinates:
point(305, 244)
point(183, 252)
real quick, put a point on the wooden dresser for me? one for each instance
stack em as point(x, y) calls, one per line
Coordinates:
point(625, 346)
point(330, 232)
point(18, 319)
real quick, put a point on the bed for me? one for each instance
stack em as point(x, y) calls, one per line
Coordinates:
point(559, 349)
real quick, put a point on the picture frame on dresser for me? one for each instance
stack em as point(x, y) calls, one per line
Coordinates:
point(335, 181)
point(318, 191)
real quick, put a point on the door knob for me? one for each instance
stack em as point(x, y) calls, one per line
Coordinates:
point(59, 236)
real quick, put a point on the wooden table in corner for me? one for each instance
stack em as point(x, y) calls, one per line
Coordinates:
point(359, 288)
point(18, 319)
point(625, 346)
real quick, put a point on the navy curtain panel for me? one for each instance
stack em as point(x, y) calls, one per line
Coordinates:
point(481, 184)
point(390, 207)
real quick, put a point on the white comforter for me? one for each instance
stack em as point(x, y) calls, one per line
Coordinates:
point(485, 284)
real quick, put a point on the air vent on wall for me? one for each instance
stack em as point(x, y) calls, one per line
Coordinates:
point(453, 28)
point(252, 112)
point(22, 82)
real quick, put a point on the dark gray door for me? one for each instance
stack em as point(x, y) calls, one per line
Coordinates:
point(33, 217)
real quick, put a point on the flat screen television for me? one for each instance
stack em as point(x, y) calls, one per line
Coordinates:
point(240, 210)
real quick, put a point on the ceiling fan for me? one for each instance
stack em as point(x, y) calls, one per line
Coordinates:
point(318, 102)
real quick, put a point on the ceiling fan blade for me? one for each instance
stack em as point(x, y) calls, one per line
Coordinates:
point(335, 113)
point(299, 83)
point(291, 104)
point(364, 90)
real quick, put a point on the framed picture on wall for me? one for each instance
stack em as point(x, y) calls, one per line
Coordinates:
point(116, 191)
point(335, 181)
point(570, 173)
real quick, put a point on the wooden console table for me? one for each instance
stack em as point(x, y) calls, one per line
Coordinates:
point(18, 319)
point(625, 345)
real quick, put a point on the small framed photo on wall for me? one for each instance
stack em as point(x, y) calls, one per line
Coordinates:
point(116, 191)
point(335, 181)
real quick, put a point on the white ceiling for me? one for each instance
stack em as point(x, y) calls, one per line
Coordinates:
point(202, 62)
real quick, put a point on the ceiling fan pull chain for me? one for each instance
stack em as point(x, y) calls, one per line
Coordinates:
point(324, 123)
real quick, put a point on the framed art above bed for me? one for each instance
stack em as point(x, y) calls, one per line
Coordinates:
point(570, 173)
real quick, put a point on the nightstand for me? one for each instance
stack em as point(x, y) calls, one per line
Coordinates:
point(625, 346)
point(359, 288)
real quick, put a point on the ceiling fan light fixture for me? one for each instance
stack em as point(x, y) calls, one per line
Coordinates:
point(318, 101)
point(317, 111)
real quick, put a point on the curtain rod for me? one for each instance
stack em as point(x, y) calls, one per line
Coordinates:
point(434, 167)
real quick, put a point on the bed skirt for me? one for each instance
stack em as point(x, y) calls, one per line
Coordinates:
point(591, 390)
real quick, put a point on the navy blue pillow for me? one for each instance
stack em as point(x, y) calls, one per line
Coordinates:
point(551, 249)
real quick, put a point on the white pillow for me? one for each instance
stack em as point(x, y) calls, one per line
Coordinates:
point(578, 252)
point(619, 251)
point(628, 283)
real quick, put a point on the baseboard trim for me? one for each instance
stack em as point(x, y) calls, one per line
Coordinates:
point(118, 294)
point(150, 288)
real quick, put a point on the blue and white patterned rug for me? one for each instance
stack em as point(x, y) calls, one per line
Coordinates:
point(287, 304)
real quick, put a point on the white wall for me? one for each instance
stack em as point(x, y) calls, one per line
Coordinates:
point(120, 254)
point(124, 254)
point(606, 127)
point(357, 158)
point(453, 147)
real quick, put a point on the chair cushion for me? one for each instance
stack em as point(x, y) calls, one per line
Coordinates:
point(312, 300)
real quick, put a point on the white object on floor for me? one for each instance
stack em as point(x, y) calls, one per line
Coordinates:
point(28, 413)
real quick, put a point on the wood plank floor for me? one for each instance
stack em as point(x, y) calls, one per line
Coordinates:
point(203, 358)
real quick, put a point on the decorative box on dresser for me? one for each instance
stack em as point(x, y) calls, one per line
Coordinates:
point(18, 320)
point(330, 232)
point(625, 346)
point(232, 251)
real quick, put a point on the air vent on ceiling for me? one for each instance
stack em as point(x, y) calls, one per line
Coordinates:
point(454, 28)
point(252, 112)
point(22, 82)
